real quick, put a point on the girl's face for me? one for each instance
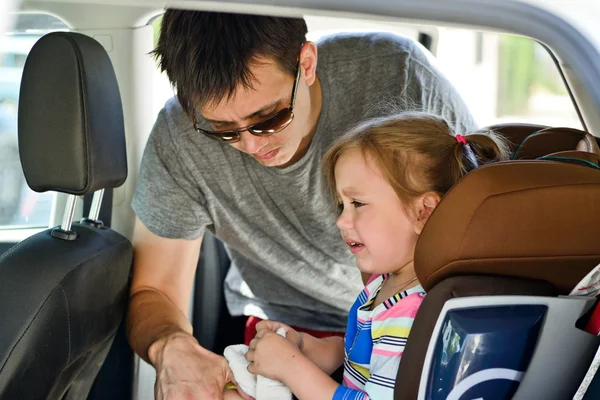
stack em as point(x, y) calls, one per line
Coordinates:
point(373, 221)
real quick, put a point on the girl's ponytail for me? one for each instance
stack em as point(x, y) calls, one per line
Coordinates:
point(477, 149)
point(489, 147)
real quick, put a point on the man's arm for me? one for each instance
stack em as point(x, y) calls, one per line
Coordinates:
point(157, 326)
point(163, 275)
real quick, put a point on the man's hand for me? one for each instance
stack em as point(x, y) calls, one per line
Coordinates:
point(290, 334)
point(184, 370)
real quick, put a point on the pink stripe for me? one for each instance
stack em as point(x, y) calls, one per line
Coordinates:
point(372, 278)
point(387, 353)
point(350, 384)
point(407, 308)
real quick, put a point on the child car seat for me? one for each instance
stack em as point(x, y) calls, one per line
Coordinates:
point(497, 251)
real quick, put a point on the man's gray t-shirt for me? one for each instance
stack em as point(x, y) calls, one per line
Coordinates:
point(289, 261)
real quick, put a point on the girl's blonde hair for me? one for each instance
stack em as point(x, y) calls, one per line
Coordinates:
point(417, 152)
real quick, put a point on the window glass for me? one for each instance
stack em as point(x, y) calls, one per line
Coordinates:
point(505, 78)
point(19, 205)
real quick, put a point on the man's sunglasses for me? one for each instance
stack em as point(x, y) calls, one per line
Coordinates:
point(273, 124)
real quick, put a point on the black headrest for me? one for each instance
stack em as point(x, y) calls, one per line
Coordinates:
point(71, 131)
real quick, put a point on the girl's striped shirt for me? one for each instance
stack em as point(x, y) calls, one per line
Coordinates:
point(375, 341)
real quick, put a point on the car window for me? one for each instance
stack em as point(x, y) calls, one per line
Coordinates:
point(502, 78)
point(19, 205)
point(505, 78)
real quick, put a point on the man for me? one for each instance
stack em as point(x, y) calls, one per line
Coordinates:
point(238, 152)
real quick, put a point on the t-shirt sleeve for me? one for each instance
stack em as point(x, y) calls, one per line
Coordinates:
point(435, 92)
point(166, 200)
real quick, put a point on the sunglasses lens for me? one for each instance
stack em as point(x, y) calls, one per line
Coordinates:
point(223, 136)
point(274, 124)
point(267, 127)
point(226, 136)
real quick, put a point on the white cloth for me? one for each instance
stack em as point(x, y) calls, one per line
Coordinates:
point(257, 386)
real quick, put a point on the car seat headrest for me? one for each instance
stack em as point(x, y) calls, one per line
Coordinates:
point(575, 157)
point(533, 219)
point(588, 144)
point(70, 119)
point(515, 133)
point(552, 140)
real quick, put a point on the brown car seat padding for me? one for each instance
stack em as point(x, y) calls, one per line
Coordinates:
point(515, 133)
point(522, 227)
point(525, 219)
point(588, 144)
point(521, 138)
point(552, 140)
point(413, 357)
point(585, 156)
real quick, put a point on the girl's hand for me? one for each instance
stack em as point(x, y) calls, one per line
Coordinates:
point(290, 333)
point(271, 355)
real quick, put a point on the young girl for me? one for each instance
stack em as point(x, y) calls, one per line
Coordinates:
point(387, 177)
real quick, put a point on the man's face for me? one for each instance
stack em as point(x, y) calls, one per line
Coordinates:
point(271, 92)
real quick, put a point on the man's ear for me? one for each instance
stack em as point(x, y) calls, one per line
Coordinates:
point(308, 62)
point(424, 207)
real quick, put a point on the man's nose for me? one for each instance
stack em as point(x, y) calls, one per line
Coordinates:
point(251, 143)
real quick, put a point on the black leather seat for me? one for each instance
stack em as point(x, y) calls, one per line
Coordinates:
point(63, 292)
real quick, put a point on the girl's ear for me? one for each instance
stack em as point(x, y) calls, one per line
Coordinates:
point(424, 207)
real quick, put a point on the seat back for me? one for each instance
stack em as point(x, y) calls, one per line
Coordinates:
point(530, 141)
point(516, 133)
point(551, 140)
point(64, 291)
point(522, 228)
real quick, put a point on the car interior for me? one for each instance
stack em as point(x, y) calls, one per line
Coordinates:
point(66, 287)
point(511, 239)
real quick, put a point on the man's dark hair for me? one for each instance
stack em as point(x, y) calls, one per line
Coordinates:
point(207, 55)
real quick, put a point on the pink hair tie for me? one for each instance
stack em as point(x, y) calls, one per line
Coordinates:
point(461, 139)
